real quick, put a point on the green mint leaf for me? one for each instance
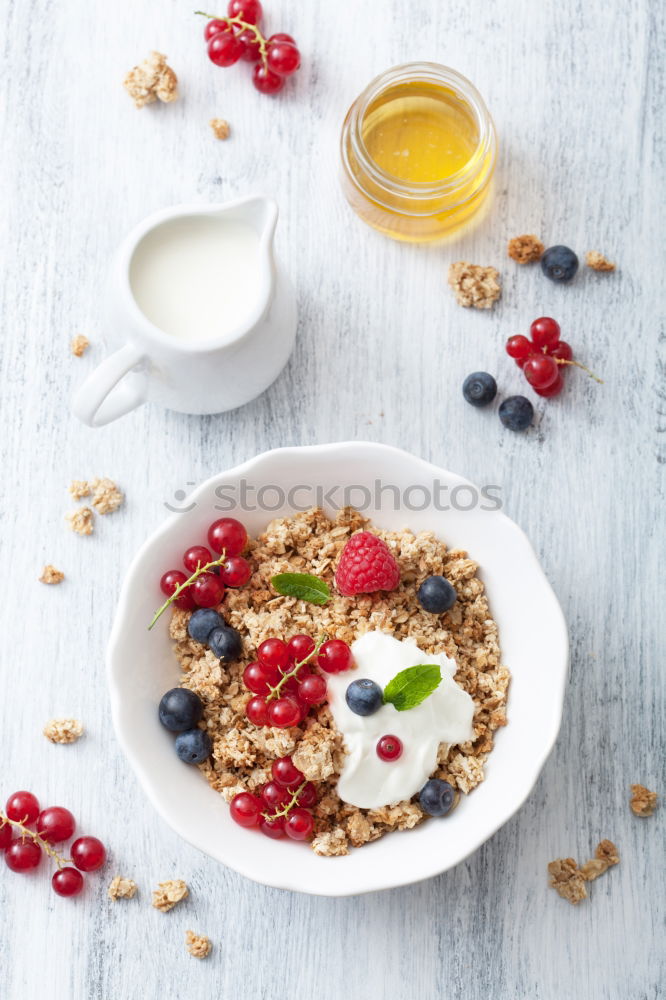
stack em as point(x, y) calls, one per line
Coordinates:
point(303, 586)
point(412, 686)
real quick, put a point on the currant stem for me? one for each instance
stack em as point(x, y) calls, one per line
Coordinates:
point(275, 691)
point(25, 832)
point(187, 583)
point(244, 26)
point(289, 806)
point(577, 364)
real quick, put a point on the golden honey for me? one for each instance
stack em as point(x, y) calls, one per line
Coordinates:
point(418, 153)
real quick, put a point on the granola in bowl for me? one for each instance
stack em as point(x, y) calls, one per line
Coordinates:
point(241, 755)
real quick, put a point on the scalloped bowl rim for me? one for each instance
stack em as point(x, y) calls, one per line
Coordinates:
point(183, 798)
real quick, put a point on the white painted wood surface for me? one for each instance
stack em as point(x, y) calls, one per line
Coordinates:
point(577, 94)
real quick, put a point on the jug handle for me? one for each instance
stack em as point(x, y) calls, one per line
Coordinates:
point(101, 399)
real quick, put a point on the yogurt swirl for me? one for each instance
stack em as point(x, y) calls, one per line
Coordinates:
point(445, 716)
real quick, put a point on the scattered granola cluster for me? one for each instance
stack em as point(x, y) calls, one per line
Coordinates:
point(525, 249)
point(598, 262)
point(152, 80)
point(569, 880)
point(220, 128)
point(106, 498)
point(79, 345)
point(81, 521)
point(169, 894)
point(122, 888)
point(474, 285)
point(63, 730)
point(79, 489)
point(643, 802)
point(51, 575)
point(311, 542)
point(198, 945)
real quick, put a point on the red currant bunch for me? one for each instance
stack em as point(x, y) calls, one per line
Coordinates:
point(239, 36)
point(284, 687)
point(208, 575)
point(53, 825)
point(534, 355)
point(283, 806)
point(543, 356)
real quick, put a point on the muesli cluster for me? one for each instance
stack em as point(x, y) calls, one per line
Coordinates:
point(569, 880)
point(274, 708)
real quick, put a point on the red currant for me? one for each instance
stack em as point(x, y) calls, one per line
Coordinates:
point(252, 49)
point(302, 674)
point(55, 824)
point(286, 773)
point(275, 795)
point(545, 332)
point(519, 348)
point(552, 390)
point(273, 653)
point(257, 711)
point(540, 371)
point(389, 748)
point(561, 351)
point(67, 882)
point(214, 27)
point(334, 656)
point(197, 556)
point(22, 807)
point(88, 854)
point(283, 713)
point(255, 679)
point(22, 855)
point(245, 809)
point(303, 709)
point(225, 49)
point(227, 535)
point(299, 824)
point(207, 591)
point(300, 647)
point(185, 602)
point(290, 687)
point(169, 584)
point(312, 690)
point(235, 572)
point(308, 796)
point(283, 58)
point(246, 10)
point(266, 81)
point(281, 36)
point(273, 827)
point(6, 834)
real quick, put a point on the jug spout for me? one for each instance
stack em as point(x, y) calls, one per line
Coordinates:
point(257, 211)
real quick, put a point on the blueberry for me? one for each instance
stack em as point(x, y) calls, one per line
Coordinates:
point(436, 595)
point(226, 643)
point(364, 697)
point(479, 388)
point(180, 709)
point(194, 746)
point(559, 263)
point(202, 623)
point(516, 413)
point(436, 797)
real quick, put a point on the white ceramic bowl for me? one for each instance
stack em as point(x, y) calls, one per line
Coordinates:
point(533, 636)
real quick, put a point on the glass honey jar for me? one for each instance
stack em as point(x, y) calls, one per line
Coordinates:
point(418, 153)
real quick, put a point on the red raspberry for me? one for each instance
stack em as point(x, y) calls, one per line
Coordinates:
point(366, 564)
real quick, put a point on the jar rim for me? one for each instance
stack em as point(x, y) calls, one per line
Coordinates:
point(421, 72)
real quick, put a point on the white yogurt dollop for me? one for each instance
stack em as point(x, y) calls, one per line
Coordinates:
point(445, 716)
